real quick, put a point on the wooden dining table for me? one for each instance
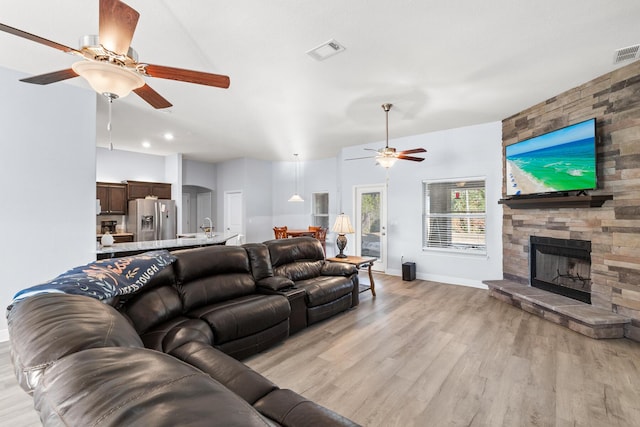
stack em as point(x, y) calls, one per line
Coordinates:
point(298, 233)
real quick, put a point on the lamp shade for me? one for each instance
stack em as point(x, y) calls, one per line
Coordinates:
point(107, 78)
point(342, 225)
point(387, 162)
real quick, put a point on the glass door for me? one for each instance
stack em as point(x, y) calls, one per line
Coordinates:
point(371, 224)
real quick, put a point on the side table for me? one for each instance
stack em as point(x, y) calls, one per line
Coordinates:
point(359, 261)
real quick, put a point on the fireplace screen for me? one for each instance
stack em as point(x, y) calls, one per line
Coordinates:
point(562, 266)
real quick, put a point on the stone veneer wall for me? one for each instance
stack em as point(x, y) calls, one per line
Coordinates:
point(614, 228)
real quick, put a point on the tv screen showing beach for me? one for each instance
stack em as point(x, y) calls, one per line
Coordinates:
point(562, 160)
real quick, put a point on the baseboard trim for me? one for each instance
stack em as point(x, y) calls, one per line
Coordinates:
point(444, 279)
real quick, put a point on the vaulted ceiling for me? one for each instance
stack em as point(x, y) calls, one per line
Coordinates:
point(442, 64)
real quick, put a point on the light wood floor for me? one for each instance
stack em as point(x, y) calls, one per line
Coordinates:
point(428, 354)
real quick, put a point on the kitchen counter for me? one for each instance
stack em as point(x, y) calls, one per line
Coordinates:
point(134, 248)
point(117, 237)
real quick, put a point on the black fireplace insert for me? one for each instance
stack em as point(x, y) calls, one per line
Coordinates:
point(561, 266)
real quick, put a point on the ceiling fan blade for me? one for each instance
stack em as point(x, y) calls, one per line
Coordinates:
point(37, 39)
point(117, 24)
point(56, 76)
point(360, 158)
point(190, 76)
point(415, 150)
point(413, 159)
point(152, 97)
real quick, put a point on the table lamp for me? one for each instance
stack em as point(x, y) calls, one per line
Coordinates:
point(342, 226)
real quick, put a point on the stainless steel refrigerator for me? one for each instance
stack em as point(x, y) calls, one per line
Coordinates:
point(151, 219)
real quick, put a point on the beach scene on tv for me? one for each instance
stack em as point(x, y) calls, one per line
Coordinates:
point(562, 160)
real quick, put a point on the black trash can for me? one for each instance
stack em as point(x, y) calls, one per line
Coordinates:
point(409, 271)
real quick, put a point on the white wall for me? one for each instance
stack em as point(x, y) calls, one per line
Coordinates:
point(119, 165)
point(474, 151)
point(258, 201)
point(253, 178)
point(47, 182)
point(199, 177)
point(199, 174)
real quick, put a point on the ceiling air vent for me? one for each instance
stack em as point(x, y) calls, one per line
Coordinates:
point(325, 50)
point(626, 54)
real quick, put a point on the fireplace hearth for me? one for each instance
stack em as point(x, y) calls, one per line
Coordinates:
point(561, 266)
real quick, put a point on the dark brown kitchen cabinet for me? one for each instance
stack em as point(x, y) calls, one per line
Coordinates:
point(113, 198)
point(140, 190)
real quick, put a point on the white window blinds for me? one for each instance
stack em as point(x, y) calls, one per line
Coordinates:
point(454, 215)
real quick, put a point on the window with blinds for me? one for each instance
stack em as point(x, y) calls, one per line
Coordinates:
point(454, 215)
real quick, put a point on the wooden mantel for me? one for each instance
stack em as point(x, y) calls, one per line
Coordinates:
point(586, 201)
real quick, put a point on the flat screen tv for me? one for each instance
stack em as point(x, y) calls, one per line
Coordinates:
point(559, 161)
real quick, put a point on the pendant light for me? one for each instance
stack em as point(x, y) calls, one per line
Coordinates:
point(296, 197)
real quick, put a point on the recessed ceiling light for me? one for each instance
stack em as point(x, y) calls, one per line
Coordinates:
point(146, 144)
point(168, 136)
point(325, 50)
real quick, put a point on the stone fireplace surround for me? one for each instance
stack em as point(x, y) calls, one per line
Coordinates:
point(613, 229)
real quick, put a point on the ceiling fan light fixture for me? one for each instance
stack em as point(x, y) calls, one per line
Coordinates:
point(108, 79)
point(386, 162)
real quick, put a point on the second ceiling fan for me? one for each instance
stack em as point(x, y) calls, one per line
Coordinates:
point(387, 156)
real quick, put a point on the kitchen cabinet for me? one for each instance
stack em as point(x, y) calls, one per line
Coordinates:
point(113, 198)
point(140, 190)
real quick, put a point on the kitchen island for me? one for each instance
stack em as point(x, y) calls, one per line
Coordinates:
point(134, 248)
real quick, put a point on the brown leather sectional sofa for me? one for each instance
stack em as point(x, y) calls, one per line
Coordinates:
point(167, 355)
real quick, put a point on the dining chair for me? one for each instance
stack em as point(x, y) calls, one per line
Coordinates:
point(320, 233)
point(280, 232)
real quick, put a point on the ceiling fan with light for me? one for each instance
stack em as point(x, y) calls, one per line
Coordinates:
point(387, 156)
point(109, 63)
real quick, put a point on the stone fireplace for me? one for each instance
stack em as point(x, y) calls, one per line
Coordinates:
point(561, 266)
point(614, 275)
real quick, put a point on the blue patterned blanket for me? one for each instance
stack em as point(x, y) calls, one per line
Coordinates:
point(104, 279)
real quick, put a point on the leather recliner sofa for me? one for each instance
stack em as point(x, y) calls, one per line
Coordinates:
point(163, 357)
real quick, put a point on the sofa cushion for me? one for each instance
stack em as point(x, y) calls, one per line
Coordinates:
point(244, 316)
point(136, 387)
point(214, 289)
point(235, 375)
point(256, 343)
point(259, 260)
point(194, 264)
point(323, 289)
point(153, 307)
point(212, 274)
point(175, 332)
point(286, 251)
point(299, 270)
point(48, 327)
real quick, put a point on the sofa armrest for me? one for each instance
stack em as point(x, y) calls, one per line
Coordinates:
point(338, 269)
point(275, 283)
point(290, 409)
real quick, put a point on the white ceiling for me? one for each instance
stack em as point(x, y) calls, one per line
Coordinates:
point(443, 64)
